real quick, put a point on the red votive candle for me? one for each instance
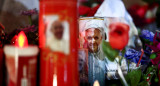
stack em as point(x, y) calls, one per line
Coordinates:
point(21, 65)
point(21, 62)
point(58, 43)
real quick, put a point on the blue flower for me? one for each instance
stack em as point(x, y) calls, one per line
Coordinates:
point(146, 34)
point(134, 56)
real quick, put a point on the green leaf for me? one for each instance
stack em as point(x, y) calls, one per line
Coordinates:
point(133, 77)
point(110, 53)
point(143, 83)
point(127, 77)
point(139, 31)
point(123, 51)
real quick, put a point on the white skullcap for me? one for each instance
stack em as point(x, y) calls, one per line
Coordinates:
point(91, 22)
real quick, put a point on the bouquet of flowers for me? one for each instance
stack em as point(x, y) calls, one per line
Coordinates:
point(142, 65)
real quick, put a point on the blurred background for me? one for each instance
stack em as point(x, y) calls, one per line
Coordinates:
point(145, 14)
point(143, 10)
point(10, 13)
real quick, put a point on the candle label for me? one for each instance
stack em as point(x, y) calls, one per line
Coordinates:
point(91, 34)
point(92, 31)
point(57, 34)
point(25, 73)
point(58, 43)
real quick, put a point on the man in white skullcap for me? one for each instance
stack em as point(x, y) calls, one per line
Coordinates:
point(94, 32)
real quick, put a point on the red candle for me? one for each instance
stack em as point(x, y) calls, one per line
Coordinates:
point(1, 66)
point(58, 34)
point(21, 62)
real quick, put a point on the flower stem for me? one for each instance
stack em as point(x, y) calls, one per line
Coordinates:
point(121, 74)
point(140, 58)
point(128, 65)
point(30, 20)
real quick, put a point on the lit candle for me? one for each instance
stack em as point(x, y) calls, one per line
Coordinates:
point(58, 43)
point(96, 83)
point(21, 61)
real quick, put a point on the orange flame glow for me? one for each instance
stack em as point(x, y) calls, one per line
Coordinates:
point(96, 83)
point(22, 40)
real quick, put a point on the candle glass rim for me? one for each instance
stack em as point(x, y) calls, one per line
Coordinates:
point(27, 51)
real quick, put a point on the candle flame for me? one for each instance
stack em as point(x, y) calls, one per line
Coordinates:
point(22, 40)
point(54, 80)
point(96, 83)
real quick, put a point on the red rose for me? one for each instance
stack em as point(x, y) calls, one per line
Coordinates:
point(84, 10)
point(118, 35)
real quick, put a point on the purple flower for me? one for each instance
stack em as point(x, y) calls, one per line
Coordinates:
point(156, 60)
point(29, 29)
point(30, 12)
point(158, 46)
point(146, 34)
point(156, 43)
point(134, 56)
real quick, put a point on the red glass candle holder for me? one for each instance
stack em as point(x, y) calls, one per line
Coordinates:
point(21, 65)
point(57, 39)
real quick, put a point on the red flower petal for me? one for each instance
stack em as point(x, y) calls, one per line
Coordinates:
point(1, 26)
point(156, 60)
point(149, 74)
point(142, 11)
point(84, 10)
point(118, 35)
point(93, 10)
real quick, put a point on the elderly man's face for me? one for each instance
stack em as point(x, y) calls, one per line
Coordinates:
point(57, 29)
point(93, 38)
